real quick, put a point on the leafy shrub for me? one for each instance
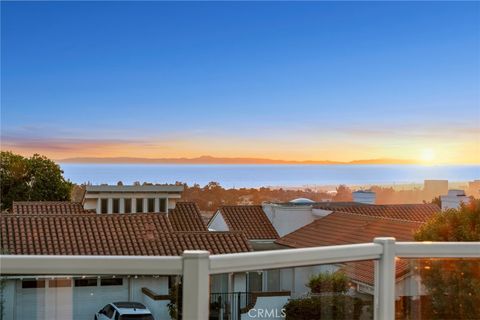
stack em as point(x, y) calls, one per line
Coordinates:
point(324, 307)
point(329, 282)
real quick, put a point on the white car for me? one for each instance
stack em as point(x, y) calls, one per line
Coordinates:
point(124, 311)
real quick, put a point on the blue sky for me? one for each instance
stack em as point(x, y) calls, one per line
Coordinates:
point(337, 81)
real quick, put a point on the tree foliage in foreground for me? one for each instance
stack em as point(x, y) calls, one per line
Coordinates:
point(452, 284)
point(31, 179)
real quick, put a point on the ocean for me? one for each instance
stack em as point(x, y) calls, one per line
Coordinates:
point(239, 176)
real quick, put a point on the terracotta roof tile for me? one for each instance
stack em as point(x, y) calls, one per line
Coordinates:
point(48, 207)
point(252, 220)
point(109, 234)
point(348, 228)
point(364, 271)
point(186, 217)
point(411, 212)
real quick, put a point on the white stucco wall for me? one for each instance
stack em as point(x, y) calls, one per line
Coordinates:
point(301, 276)
point(79, 302)
point(286, 219)
point(90, 199)
point(410, 286)
point(159, 286)
point(240, 282)
point(9, 299)
point(218, 223)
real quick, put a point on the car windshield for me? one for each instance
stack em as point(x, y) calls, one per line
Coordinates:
point(136, 317)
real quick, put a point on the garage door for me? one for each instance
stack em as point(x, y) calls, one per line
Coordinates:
point(65, 299)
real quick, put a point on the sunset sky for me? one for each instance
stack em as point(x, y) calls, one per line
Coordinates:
point(293, 81)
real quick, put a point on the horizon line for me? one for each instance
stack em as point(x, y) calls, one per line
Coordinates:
point(211, 160)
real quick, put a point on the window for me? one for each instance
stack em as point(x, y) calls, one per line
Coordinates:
point(111, 281)
point(139, 205)
point(59, 283)
point(29, 284)
point(254, 281)
point(163, 205)
point(136, 317)
point(273, 280)
point(104, 208)
point(89, 282)
point(128, 205)
point(219, 283)
point(109, 311)
point(116, 205)
point(151, 205)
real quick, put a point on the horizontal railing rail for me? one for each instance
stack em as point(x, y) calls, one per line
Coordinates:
point(197, 266)
point(437, 249)
point(276, 259)
point(90, 265)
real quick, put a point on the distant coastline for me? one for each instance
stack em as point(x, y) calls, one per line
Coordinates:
point(221, 160)
point(264, 175)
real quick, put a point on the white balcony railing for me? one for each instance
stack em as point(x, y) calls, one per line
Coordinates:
point(197, 266)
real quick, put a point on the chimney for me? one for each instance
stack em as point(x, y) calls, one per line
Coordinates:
point(364, 196)
point(453, 199)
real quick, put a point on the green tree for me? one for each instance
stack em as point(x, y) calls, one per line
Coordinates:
point(31, 179)
point(453, 286)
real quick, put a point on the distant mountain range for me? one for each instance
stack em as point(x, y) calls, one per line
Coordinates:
point(215, 160)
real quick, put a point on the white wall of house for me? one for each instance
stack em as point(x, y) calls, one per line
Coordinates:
point(301, 276)
point(240, 282)
point(94, 201)
point(454, 199)
point(9, 297)
point(288, 218)
point(74, 302)
point(218, 223)
point(159, 285)
point(410, 286)
point(164, 197)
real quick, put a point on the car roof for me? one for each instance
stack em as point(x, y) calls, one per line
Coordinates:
point(130, 308)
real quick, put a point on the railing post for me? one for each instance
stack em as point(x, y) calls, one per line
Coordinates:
point(385, 281)
point(196, 291)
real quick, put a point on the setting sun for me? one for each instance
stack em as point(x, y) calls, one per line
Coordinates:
point(428, 155)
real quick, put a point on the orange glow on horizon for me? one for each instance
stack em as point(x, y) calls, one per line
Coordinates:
point(183, 149)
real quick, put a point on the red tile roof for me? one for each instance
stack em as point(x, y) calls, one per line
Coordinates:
point(252, 220)
point(109, 234)
point(186, 217)
point(48, 207)
point(364, 271)
point(411, 212)
point(347, 228)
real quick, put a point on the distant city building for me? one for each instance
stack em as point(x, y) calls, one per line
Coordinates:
point(454, 199)
point(474, 188)
point(434, 188)
point(131, 199)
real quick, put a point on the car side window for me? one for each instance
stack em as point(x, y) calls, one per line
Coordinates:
point(109, 311)
point(104, 310)
point(117, 315)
